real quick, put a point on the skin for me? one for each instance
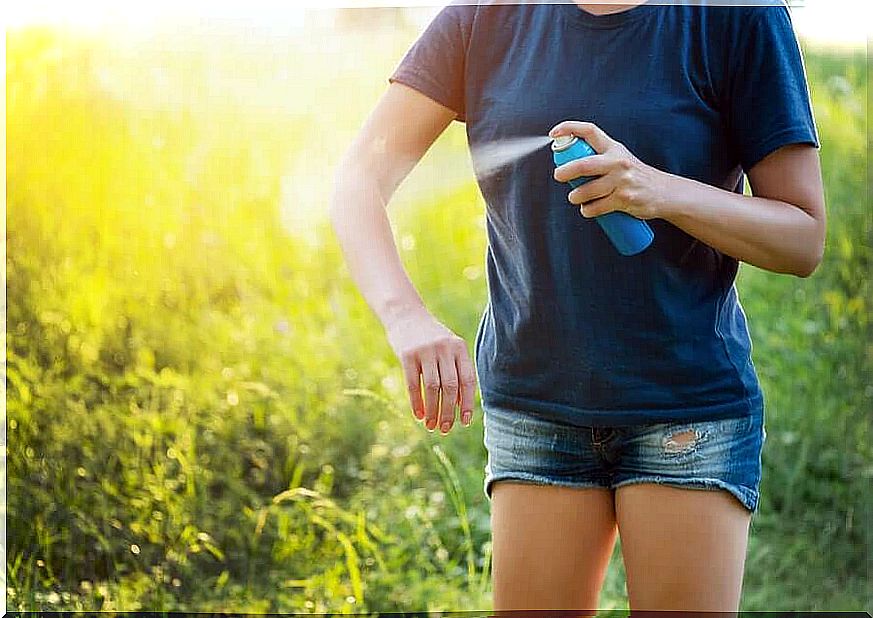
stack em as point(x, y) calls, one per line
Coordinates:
point(683, 549)
point(398, 132)
point(781, 228)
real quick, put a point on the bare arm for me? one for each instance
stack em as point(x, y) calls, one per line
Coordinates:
point(780, 228)
point(394, 138)
point(397, 134)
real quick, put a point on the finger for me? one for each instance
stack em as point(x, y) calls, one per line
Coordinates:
point(595, 165)
point(412, 374)
point(597, 188)
point(467, 376)
point(590, 132)
point(598, 207)
point(449, 389)
point(431, 377)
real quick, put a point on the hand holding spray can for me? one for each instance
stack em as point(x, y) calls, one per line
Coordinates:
point(627, 233)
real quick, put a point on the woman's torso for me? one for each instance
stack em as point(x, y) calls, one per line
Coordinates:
point(573, 328)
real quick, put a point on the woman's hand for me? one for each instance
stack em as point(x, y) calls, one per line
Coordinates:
point(429, 350)
point(780, 227)
point(624, 183)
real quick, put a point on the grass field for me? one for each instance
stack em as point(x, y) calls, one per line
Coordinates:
point(204, 415)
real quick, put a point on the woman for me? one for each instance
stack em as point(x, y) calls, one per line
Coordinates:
point(614, 388)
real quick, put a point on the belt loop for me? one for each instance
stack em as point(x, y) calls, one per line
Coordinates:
point(596, 436)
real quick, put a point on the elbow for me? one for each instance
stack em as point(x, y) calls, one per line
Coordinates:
point(815, 256)
point(338, 210)
point(355, 186)
point(806, 271)
point(811, 265)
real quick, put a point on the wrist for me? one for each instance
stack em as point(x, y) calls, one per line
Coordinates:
point(668, 195)
point(395, 311)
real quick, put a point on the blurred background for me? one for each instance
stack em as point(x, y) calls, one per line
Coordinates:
point(202, 412)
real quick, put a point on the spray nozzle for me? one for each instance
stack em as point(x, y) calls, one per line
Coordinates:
point(563, 142)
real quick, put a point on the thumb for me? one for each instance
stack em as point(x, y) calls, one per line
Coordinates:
point(590, 132)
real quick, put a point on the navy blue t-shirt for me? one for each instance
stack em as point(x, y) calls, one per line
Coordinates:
point(573, 330)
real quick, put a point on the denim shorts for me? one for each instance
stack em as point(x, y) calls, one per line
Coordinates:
point(722, 454)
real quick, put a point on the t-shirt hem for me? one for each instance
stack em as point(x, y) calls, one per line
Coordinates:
point(792, 135)
point(573, 415)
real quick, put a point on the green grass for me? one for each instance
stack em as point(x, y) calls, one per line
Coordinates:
point(204, 415)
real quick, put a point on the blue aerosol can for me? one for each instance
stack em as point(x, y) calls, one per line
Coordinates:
point(627, 233)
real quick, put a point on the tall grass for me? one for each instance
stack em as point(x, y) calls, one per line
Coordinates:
point(203, 413)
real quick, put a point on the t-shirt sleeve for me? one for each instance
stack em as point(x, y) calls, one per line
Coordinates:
point(769, 104)
point(435, 63)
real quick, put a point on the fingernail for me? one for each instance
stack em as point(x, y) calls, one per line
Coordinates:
point(466, 418)
point(446, 427)
point(431, 424)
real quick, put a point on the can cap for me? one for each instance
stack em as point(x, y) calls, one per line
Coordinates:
point(563, 142)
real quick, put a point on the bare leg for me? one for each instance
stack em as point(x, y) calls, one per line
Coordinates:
point(683, 549)
point(551, 545)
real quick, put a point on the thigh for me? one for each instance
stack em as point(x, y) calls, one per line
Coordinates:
point(551, 545)
point(685, 494)
point(683, 549)
point(552, 513)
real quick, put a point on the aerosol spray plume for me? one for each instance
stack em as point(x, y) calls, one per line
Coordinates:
point(491, 157)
